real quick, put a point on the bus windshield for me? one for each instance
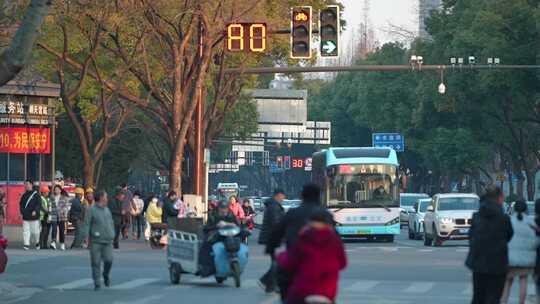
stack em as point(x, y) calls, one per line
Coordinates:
point(364, 186)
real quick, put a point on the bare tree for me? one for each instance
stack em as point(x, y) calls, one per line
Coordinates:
point(15, 57)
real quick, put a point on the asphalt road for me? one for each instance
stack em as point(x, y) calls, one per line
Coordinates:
point(380, 273)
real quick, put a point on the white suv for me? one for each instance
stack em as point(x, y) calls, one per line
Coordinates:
point(449, 217)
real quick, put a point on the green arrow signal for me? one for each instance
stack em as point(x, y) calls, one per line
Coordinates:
point(329, 46)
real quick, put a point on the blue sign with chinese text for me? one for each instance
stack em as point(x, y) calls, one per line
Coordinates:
point(389, 140)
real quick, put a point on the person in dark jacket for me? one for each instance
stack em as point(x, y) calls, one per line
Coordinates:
point(117, 213)
point(490, 232)
point(290, 225)
point(168, 206)
point(314, 261)
point(30, 206)
point(273, 213)
point(76, 217)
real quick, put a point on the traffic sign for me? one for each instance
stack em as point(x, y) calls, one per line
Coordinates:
point(389, 140)
point(329, 26)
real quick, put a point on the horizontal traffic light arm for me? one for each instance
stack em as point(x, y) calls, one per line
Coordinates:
point(373, 68)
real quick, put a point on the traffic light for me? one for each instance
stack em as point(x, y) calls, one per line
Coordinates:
point(301, 32)
point(329, 31)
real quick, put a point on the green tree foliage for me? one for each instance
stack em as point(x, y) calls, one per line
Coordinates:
point(482, 114)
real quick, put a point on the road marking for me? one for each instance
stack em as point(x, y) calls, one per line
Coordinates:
point(74, 284)
point(273, 300)
point(462, 250)
point(419, 287)
point(249, 283)
point(389, 249)
point(146, 300)
point(134, 283)
point(531, 288)
point(362, 286)
point(425, 250)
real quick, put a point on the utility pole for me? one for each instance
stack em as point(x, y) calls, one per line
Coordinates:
point(199, 149)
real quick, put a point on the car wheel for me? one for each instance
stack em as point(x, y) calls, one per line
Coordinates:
point(427, 239)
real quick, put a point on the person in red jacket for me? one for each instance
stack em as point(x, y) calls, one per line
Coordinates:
point(314, 261)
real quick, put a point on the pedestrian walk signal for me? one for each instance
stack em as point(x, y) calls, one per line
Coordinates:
point(301, 32)
point(248, 36)
point(329, 26)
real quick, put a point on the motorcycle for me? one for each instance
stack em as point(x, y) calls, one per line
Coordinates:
point(230, 253)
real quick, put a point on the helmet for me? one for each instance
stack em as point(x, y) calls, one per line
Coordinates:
point(89, 190)
point(44, 189)
point(79, 190)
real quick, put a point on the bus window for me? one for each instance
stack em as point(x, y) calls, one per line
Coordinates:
point(362, 189)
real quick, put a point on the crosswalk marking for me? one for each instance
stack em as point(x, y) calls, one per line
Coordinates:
point(347, 286)
point(249, 283)
point(425, 250)
point(135, 283)
point(419, 287)
point(362, 286)
point(74, 284)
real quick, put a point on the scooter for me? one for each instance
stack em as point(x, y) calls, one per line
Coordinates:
point(230, 254)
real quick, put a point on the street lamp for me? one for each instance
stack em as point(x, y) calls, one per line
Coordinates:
point(442, 86)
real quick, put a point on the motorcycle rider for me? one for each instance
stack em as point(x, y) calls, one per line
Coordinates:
point(216, 219)
point(249, 213)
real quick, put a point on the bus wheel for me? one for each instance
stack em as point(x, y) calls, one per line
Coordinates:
point(389, 239)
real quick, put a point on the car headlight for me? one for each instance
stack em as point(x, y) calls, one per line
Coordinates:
point(446, 220)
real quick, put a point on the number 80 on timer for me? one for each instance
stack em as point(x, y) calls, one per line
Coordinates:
point(250, 37)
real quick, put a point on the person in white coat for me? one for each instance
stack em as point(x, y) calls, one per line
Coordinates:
point(521, 252)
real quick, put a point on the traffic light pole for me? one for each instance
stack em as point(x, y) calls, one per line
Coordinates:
point(374, 68)
point(199, 149)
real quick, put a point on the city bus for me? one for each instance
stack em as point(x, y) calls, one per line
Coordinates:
point(360, 186)
point(226, 190)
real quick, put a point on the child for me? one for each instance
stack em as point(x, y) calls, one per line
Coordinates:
point(314, 261)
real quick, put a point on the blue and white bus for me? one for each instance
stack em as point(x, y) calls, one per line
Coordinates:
point(361, 188)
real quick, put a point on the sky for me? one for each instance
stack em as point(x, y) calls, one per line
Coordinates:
point(403, 13)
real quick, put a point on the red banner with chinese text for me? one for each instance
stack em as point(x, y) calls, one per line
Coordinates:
point(25, 140)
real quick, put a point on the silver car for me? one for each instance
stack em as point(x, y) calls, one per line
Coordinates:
point(416, 218)
point(407, 201)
